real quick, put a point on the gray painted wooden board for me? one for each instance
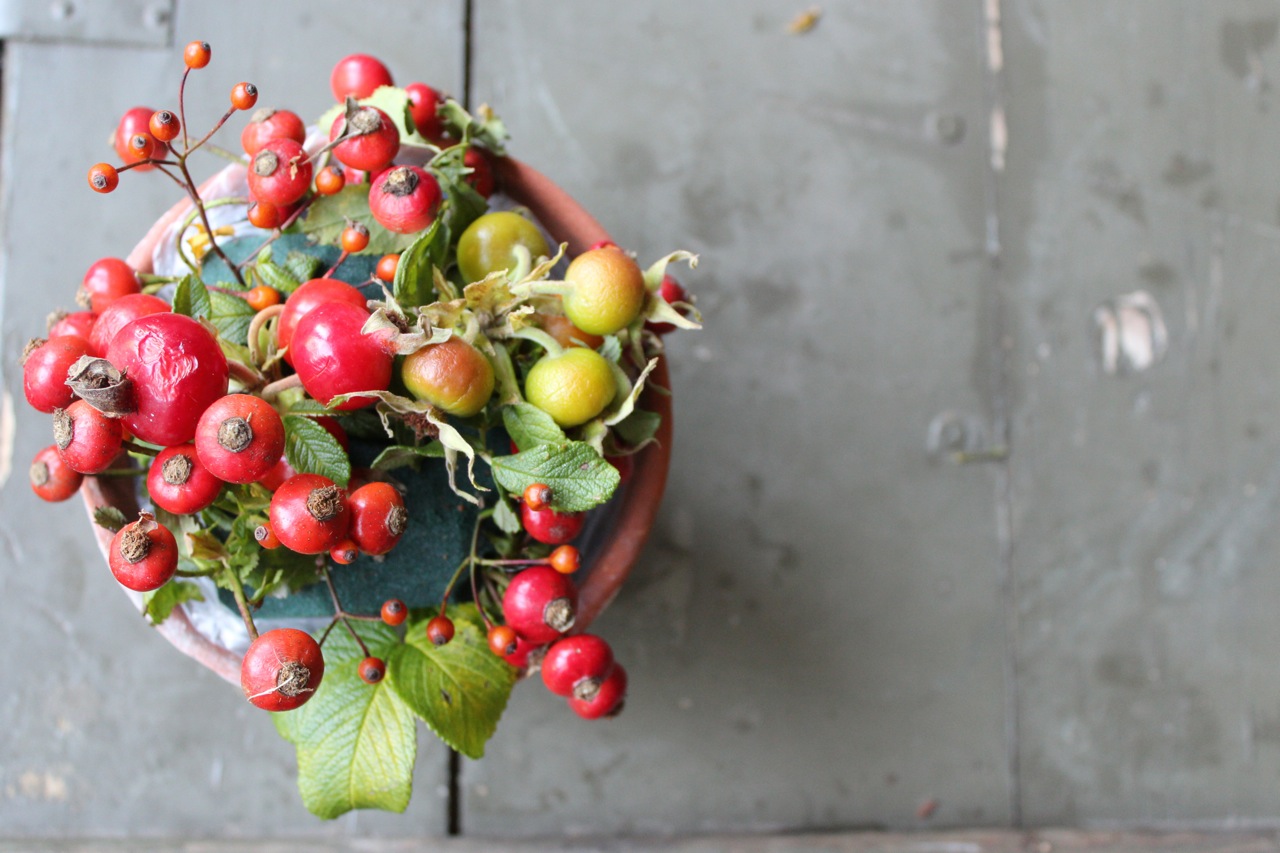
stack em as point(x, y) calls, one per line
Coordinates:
point(815, 636)
point(1142, 192)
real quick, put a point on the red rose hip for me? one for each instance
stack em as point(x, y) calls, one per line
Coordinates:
point(143, 555)
point(540, 604)
point(577, 666)
point(282, 669)
point(240, 438)
point(404, 199)
point(309, 514)
point(44, 371)
point(378, 517)
point(333, 357)
point(50, 477)
point(178, 483)
point(87, 440)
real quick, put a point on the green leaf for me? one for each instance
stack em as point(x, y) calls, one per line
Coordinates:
point(611, 349)
point(231, 316)
point(301, 266)
point(328, 216)
point(639, 427)
point(459, 689)
point(191, 298)
point(415, 270)
point(404, 456)
point(505, 517)
point(312, 449)
point(356, 742)
point(529, 426)
point(160, 603)
point(110, 518)
point(578, 477)
point(629, 402)
point(274, 275)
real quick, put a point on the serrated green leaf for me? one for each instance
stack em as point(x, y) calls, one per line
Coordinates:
point(611, 349)
point(312, 449)
point(274, 275)
point(191, 298)
point(459, 689)
point(629, 402)
point(578, 477)
point(528, 426)
point(231, 316)
point(328, 216)
point(356, 742)
point(110, 518)
point(159, 604)
point(413, 285)
point(302, 266)
point(403, 456)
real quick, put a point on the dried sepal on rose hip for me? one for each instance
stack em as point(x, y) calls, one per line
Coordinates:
point(143, 555)
point(282, 669)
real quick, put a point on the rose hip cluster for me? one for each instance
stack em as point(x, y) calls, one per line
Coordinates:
point(127, 373)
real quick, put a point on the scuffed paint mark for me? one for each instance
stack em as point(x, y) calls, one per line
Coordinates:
point(7, 429)
point(999, 126)
point(1132, 336)
point(805, 21)
point(33, 785)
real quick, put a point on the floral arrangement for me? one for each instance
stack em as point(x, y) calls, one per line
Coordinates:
point(369, 408)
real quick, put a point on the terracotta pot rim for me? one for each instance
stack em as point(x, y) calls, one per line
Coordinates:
point(567, 221)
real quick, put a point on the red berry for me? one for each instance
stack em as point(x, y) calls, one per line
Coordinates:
point(577, 666)
point(502, 640)
point(164, 125)
point(424, 103)
point(565, 559)
point(44, 371)
point(355, 238)
point(141, 146)
point(540, 604)
point(481, 177)
point(440, 630)
point(240, 438)
point(357, 76)
point(280, 173)
point(329, 181)
point(309, 514)
point(387, 266)
point(671, 291)
point(525, 650)
point(103, 177)
point(302, 301)
point(266, 537)
point(50, 477)
point(261, 297)
point(549, 526)
point(404, 199)
point(282, 669)
point(197, 54)
point(106, 280)
point(608, 700)
point(372, 670)
point(244, 96)
point(332, 356)
point(143, 555)
point(264, 215)
point(537, 496)
point(378, 517)
point(78, 323)
point(134, 122)
point(372, 142)
point(178, 483)
point(267, 124)
point(344, 553)
point(87, 440)
point(121, 313)
point(394, 612)
point(178, 370)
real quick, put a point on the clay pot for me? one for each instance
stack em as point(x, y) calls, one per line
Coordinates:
point(609, 565)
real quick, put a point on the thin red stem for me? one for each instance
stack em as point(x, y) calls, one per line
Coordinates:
point(182, 109)
point(333, 269)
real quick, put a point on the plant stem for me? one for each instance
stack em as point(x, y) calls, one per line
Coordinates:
point(183, 573)
point(228, 114)
point(204, 214)
point(139, 448)
point(255, 331)
point(273, 390)
point(340, 614)
point(237, 590)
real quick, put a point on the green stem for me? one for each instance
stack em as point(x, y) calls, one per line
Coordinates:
point(524, 263)
point(505, 373)
point(232, 580)
point(183, 573)
point(219, 151)
point(539, 337)
point(135, 447)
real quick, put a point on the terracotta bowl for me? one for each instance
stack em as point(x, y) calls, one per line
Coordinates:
point(637, 502)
